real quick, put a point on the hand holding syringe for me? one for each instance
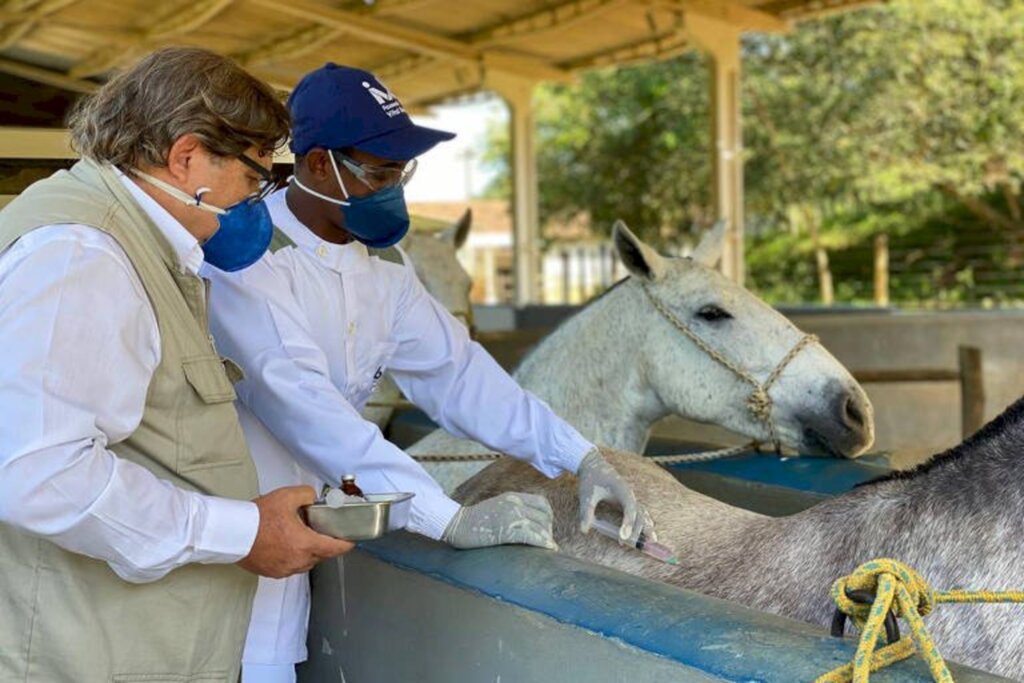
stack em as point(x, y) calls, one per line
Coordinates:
point(649, 548)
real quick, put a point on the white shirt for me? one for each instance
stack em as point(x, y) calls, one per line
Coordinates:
point(80, 345)
point(315, 326)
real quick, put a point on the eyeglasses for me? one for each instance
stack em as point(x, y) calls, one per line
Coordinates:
point(377, 177)
point(269, 182)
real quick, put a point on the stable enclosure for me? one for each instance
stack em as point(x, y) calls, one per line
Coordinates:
point(909, 362)
point(407, 609)
point(461, 617)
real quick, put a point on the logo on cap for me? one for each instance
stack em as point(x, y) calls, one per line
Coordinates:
point(388, 102)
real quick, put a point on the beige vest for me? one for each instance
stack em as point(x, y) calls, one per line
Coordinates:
point(66, 617)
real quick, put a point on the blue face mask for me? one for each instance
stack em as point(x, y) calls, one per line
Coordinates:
point(377, 220)
point(245, 228)
point(243, 236)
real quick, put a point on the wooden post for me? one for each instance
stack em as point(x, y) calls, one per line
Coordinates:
point(972, 390)
point(881, 270)
point(518, 94)
point(820, 258)
point(490, 276)
point(586, 275)
point(721, 42)
point(603, 269)
point(566, 280)
point(582, 277)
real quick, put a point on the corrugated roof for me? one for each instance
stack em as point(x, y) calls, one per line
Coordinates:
point(426, 50)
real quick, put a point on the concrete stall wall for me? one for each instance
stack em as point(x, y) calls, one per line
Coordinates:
point(926, 416)
point(910, 417)
point(405, 609)
point(402, 626)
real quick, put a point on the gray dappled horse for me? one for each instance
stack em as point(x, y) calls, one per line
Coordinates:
point(625, 361)
point(958, 519)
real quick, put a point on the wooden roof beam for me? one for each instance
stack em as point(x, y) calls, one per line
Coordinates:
point(24, 15)
point(802, 9)
point(175, 19)
point(413, 40)
point(23, 142)
point(404, 67)
point(311, 36)
point(282, 47)
point(741, 16)
point(551, 18)
point(40, 75)
point(661, 46)
point(391, 6)
point(283, 84)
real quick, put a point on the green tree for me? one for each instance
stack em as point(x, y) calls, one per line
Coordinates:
point(890, 106)
point(631, 143)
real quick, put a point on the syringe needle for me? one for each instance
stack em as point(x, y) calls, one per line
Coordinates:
point(649, 548)
point(656, 550)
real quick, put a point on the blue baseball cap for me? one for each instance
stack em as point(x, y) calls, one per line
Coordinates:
point(339, 106)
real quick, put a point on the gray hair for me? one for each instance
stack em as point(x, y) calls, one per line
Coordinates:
point(137, 115)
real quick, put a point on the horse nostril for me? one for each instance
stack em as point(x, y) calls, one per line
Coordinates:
point(853, 416)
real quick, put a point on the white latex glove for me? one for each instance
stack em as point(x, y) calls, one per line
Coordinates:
point(521, 518)
point(598, 481)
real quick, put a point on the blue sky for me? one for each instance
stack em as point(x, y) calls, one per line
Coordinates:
point(452, 171)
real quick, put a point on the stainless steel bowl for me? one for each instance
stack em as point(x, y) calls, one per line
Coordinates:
point(361, 521)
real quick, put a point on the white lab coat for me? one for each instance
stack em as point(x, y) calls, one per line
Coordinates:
point(314, 327)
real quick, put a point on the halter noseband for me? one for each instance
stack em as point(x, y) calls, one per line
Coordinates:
point(760, 401)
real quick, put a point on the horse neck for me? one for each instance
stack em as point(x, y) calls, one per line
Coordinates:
point(958, 522)
point(585, 371)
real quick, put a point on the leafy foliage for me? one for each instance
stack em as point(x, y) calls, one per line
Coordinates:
point(906, 118)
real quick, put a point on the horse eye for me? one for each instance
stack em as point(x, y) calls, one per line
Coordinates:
point(712, 313)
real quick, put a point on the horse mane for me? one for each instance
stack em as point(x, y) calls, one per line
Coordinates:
point(1005, 424)
point(572, 317)
point(604, 293)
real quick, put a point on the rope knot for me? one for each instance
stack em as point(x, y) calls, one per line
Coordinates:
point(883, 577)
point(898, 589)
point(760, 403)
point(873, 596)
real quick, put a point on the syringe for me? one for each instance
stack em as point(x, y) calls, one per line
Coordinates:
point(649, 548)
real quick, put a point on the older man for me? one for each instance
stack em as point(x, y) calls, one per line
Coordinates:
point(126, 526)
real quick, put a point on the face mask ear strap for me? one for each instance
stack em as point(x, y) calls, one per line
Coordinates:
point(308, 190)
point(182, 196)
point(337, 174)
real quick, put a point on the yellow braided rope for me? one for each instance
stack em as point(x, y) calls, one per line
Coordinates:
point(899, 588)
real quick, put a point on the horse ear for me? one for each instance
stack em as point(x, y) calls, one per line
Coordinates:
point(709, 251)
point(639, 259)
point(459, 232)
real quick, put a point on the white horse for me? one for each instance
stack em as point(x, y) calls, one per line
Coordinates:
point(433, 257)
point(662, 342)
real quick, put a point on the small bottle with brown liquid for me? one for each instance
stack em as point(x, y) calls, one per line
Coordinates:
point(349, 488)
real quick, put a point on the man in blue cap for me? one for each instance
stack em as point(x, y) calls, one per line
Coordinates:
point(318, 320)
